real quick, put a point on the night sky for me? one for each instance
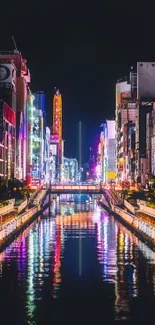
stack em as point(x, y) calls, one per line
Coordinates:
point(82, 49)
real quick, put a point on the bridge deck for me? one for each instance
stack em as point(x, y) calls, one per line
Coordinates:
point(76, 189)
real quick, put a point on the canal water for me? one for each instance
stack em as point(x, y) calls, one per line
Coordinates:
point(76, 263)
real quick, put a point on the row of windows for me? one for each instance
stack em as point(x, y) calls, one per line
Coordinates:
point(4, 153)
point(2, 167)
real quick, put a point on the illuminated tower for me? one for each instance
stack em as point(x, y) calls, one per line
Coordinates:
point(57, 114)
point(57, 128)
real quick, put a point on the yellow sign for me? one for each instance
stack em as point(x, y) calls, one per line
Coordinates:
point(111, 175)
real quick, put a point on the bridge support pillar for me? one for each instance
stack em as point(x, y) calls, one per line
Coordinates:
point(50, 202)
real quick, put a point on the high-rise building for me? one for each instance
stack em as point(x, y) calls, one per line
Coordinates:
point(7, 142)
point(47, 156)
point(125, 115)
point(30, 111)
point(53, 154)
point(152, 145)
point(14, 79)
point(37, 147)
point(135, 100)
point(70, 169)
point(57, 130)
point(92, 163)
point(40, 103)
point(145, 102)
point(108, 152)
point(8, 73)
point(7, 118)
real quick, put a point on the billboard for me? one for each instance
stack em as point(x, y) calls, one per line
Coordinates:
point(123, 87)
point(145, 80)
point(111, 175)
point(1, 122)
point(9, 114)
point(111, 129)
point(57, 114)
point(54, 138)
point(112, 155)
point(7, 73)
point(53, 149)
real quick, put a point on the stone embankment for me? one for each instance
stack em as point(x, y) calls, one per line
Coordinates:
point(129, 214)
point(9, 230)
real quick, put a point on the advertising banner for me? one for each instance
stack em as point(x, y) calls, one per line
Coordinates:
point(7, 73)
point(54, 138)
point(145, 80)
point(111, 129)
point(9, 114)
point(111, 175)
point(1, 122)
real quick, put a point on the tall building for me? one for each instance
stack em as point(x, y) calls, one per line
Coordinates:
point(53, 156)
point(8, 72)
point(57, 130)
point(40, 103)
point(109, 152)
point(47, 156)
point(135, 100)
point(125, 116)
point(92, 163)
point(30, 119)
point(70, 169)
point(14, 80)
point(37, 147)
point(7, 118)
point(144, 107)
point(7, 142)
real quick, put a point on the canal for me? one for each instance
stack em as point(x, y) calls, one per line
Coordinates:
point(76, 263)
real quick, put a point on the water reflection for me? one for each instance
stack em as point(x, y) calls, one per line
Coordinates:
point(77, 250)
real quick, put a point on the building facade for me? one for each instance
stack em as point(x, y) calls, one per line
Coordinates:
point(57, 131)
point(70, 170)
point(37, 147)
point(108, 160)
point(14, 80)
point(144, 109)
point(125, 116)
point(7, 142)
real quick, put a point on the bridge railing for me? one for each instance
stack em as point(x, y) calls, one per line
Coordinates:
point(76, 187)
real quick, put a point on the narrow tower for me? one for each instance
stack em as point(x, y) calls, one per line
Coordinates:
point(57, 128)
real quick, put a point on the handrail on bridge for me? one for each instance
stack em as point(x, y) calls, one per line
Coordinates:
point(75, 187)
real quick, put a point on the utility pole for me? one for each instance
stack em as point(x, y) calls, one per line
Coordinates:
point(14, 43)
point(80, 146)
point(80, 164)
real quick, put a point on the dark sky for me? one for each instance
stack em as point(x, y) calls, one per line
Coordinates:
point(82, 49)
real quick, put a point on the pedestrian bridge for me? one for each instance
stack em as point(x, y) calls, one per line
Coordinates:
point(75, 189)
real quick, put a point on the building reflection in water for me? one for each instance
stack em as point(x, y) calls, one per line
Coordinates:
point(39, 250)
point(57, 262)
point(118, 253)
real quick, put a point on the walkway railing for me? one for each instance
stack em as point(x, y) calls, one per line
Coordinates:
point(93, 188)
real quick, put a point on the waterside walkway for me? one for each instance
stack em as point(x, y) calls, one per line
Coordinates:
point(13, 223)
point(132, 216)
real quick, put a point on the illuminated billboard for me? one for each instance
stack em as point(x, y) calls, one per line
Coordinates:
point(53, 149)
point(57, 114)
point(111, 129)
point(54, 138)
point(145, 80)
point(7, 73)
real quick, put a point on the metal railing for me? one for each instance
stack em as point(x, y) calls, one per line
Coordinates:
point(93, 188)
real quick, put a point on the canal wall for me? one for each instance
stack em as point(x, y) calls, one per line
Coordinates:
point(11, 229)
point(142, 229)
point(8, 208)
